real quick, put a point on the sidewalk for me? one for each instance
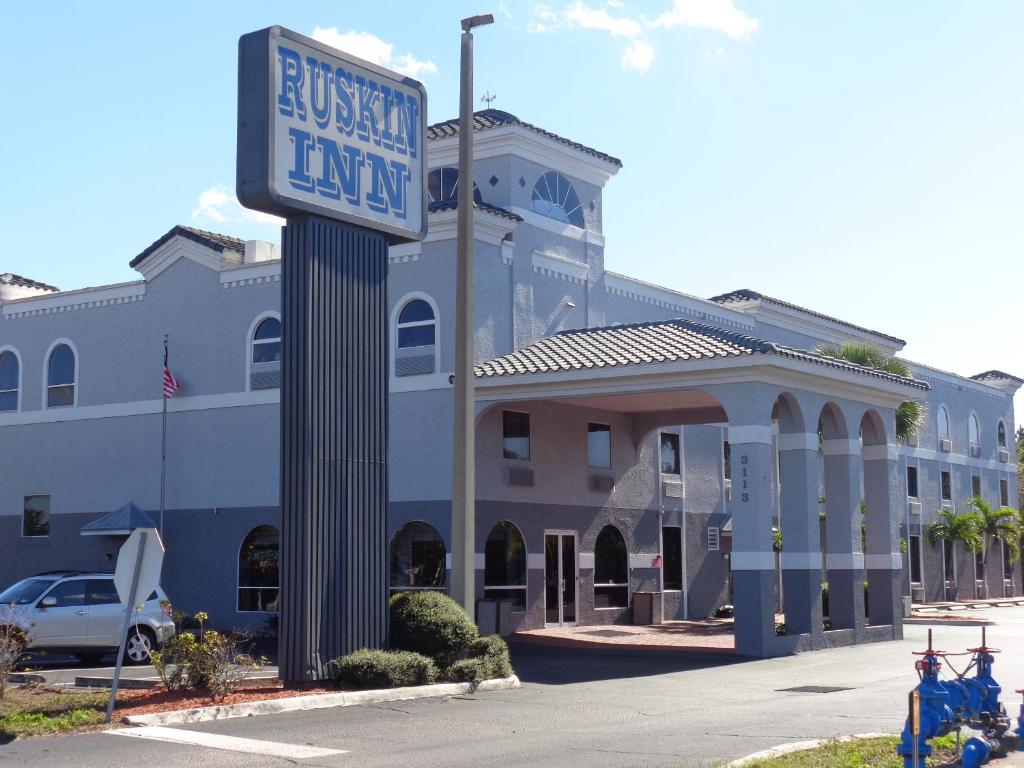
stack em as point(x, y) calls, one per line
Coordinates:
point(708, 636)
point(967, 605)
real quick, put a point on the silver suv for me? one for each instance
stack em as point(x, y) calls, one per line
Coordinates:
point(80, 613)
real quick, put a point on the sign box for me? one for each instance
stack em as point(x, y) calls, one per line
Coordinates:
point(320, 131)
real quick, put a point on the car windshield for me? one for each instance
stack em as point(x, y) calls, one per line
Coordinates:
point(24, 592)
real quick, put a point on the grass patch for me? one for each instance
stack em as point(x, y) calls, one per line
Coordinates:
point(38, 711)
point(862, 753)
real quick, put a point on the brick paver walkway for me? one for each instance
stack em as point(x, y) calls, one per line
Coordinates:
point(709, 636)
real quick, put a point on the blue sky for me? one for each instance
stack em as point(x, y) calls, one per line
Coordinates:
point(860, 158)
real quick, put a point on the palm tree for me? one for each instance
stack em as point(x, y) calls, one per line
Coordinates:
point(1002, 524)
point(910, 415)
point(952, 527)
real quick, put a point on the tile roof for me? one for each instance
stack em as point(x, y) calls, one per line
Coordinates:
point(212, 240)
point(9, 278)
point(745, 294)
point(452, 204)
point(996, 376)
point(492, 118)
point(655, 342)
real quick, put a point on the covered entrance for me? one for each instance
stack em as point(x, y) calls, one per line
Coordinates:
point(561, 579)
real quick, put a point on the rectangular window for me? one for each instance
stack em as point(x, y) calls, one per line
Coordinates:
point(979, 566)
point(912, 482)
point(35, 517)
point(669, 453)
point(727, 459)
point(975, 485)
point(947, 486)
point(1007, 563)
point(599, 445)
point(1004, 493)
point(672, 560)
point(516, 434)
point(915, 559)
point(947, 559)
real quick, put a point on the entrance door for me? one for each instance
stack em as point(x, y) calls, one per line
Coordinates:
point(560, 579)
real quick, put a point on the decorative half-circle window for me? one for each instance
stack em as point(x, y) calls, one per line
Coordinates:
point(555, 197)
point(265, 354)
point(443, 186)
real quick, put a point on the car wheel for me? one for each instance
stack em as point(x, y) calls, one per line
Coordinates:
point(140, 642)
point(90, 659)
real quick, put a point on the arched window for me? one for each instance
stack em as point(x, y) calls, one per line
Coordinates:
point(611, 569)
point(555, 197)
point(265, 355)
point(505, 565)
point(10, 376)
point(972, 430)
point(943, 422)
point(1000, 430)
point(60, 377)
point(443, 186)
point(259, 570)
point(417, 558)
point(416, 339)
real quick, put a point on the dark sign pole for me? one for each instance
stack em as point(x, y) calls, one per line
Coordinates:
point(334, 405)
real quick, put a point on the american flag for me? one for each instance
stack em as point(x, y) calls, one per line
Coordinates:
point(171, 384)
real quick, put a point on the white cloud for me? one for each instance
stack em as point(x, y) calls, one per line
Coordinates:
point(583, 16)
point(543, 19)
point(373, 49)
point(719, 15)
point(219, 205)
point(637, 56)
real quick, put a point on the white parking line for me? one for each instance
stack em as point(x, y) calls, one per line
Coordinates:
point(230, 743)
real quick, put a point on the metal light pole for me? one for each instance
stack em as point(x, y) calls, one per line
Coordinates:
point(463, 587)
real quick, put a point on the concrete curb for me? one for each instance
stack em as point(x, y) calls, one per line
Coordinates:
point(798, 746)
point(320, 701)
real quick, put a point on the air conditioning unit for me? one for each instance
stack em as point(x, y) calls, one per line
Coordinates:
point(602, 483)
point(1004, 455)
point(519, 476)
point(975, 450)
point(914, 507)
point(917, 594)
point(672, 489)
point(945, 445)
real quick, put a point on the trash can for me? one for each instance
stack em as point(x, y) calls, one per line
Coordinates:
point(647, 608)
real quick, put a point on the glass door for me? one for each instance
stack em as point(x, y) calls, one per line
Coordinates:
point(560, 579)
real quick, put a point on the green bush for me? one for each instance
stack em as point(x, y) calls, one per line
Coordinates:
point(432, 624)
point(383, 669)
point(489, 658)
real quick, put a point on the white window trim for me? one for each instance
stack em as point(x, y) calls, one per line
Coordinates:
point(393, 346)
point(917, 466)
point(46, 374)
point(920, 556)
point(973, 419)
point(1000, 423)
point(679, 453)
point(21, 517)
point(21, 377)
point(529, 414)
point(238, 569)
point(250, 338)
point(611, 461)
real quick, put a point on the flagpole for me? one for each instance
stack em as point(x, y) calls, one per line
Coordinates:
point(163, 443)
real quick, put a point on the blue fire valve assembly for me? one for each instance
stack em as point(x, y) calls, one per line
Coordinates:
point(967, 700)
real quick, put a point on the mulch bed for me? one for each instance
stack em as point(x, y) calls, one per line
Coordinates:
point(148, 701)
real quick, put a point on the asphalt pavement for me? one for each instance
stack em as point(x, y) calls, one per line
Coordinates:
point(575, 708)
